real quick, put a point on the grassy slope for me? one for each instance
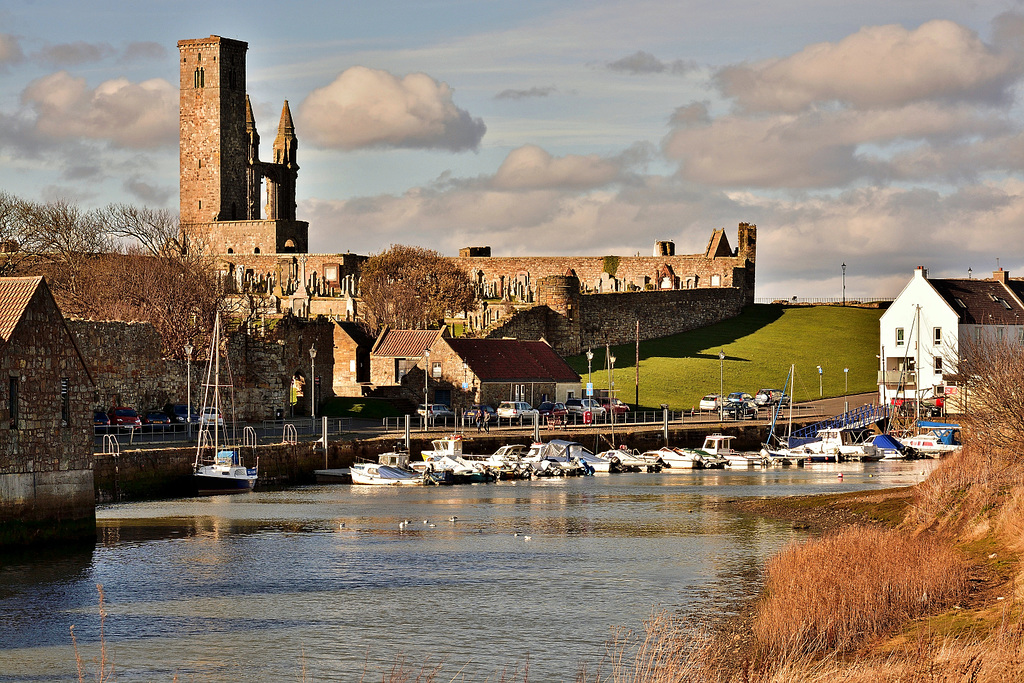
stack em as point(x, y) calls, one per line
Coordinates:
point(760, 345)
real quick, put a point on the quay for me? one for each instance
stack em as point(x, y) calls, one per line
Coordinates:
point(151, 472)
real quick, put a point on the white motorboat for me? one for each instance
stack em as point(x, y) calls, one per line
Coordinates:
point(446, 459)
point(377, 474)
point(721, 446)
point(888, 447)
point(562, 457)
point(219, 467)
point(623, 459)
point(835, 444)
point(937, 438)
point(684, 458)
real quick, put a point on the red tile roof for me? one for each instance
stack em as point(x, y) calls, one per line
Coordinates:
point(15, 295)
point(405, 343)
point(513, 360)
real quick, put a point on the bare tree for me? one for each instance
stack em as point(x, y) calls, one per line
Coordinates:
point(991, 373)
point(413, 288)
point(157, 230)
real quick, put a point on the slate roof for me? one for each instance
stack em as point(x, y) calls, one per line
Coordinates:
point(404, 343)
point(982, 302)
point(15, 295)
point(513, 360)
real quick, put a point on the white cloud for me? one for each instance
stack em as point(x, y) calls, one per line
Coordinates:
point(530, 167)
point(125, 114)
point(73, 54)
point(815, 148)
point(372, 108)
point(879, 66)
point(642, 62)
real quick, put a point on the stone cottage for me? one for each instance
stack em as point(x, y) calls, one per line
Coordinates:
point(46, 431)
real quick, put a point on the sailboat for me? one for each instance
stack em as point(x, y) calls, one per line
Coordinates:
point(218, 466)
point(781, 455)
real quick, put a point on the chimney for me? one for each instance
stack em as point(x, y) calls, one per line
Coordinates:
point(1001, 275)
point(921, 272)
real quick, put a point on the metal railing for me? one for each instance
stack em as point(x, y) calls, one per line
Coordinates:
point(268, 431)
point(858, 417)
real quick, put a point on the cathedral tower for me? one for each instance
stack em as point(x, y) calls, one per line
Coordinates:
point(221, 172)
point(213, 133)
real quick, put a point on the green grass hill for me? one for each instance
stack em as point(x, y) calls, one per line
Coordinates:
point(760, 345)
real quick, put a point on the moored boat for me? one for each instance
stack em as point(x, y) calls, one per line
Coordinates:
point(219, 467)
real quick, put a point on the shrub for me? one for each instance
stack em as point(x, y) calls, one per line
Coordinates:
point(833, 593)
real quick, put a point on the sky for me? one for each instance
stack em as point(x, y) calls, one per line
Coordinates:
point(880, 135)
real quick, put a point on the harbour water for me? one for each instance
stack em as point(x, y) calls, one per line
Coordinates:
point(325, 583)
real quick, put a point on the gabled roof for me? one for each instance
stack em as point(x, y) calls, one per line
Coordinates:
point(513, 360)
point(356, 332)
point(718, 245)
point(981, 302)
point(404, 343)
point(15, 295)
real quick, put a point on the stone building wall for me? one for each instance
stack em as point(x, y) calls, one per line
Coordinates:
point(46, 463)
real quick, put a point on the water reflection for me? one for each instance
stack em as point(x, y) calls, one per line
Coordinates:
point(539, 570)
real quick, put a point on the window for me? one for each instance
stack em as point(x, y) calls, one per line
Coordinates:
point(1000, 333)
point(65, 402)
point(899, 336)
point(12, 401)
point(716, 280)
point(938, 365)
point(435, 370)
point(937, 336)
point(976, 330)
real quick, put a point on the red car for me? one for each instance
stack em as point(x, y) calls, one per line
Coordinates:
point(124, 418)
point(549, 409)
point(614, 405)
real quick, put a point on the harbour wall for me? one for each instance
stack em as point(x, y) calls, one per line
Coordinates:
point(146, 474)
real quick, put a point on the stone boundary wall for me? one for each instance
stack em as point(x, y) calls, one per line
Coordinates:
point(126, 365)
point(611, 318)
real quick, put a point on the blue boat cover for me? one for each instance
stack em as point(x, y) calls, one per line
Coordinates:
point(887, 442)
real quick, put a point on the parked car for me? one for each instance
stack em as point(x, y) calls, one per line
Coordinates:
point(579, 406)
point(549, 409)
point(209, 416)
point(123, 417)
point(155, 420)
point(178, 411)
point(740, 405)
point(613, 405)
point(515, 409)
point(769, 397)
point(478, 410)
point(434, 411)
point(711, 402)
point(100, 422)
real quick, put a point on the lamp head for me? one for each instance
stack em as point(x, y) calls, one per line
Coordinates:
point(721, 355)
point(590, 355)
point(312, 352)
point(188, 350)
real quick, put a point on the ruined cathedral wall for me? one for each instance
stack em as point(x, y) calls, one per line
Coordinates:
point(499, 274)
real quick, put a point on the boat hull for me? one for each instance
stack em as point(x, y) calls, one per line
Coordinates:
point(214, 479)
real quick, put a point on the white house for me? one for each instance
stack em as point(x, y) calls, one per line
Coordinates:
point(922, 332)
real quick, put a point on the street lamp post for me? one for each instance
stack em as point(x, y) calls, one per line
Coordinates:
point(312, 381)
point(188, 390)
point(844, 283)
point(821, 394)
point(465, 389)
point(611, 394)
point(721, 385)
point(846, 390)
point(426, 389)
point(590, 375)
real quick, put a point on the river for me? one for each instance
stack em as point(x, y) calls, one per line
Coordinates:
point(323, 583)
